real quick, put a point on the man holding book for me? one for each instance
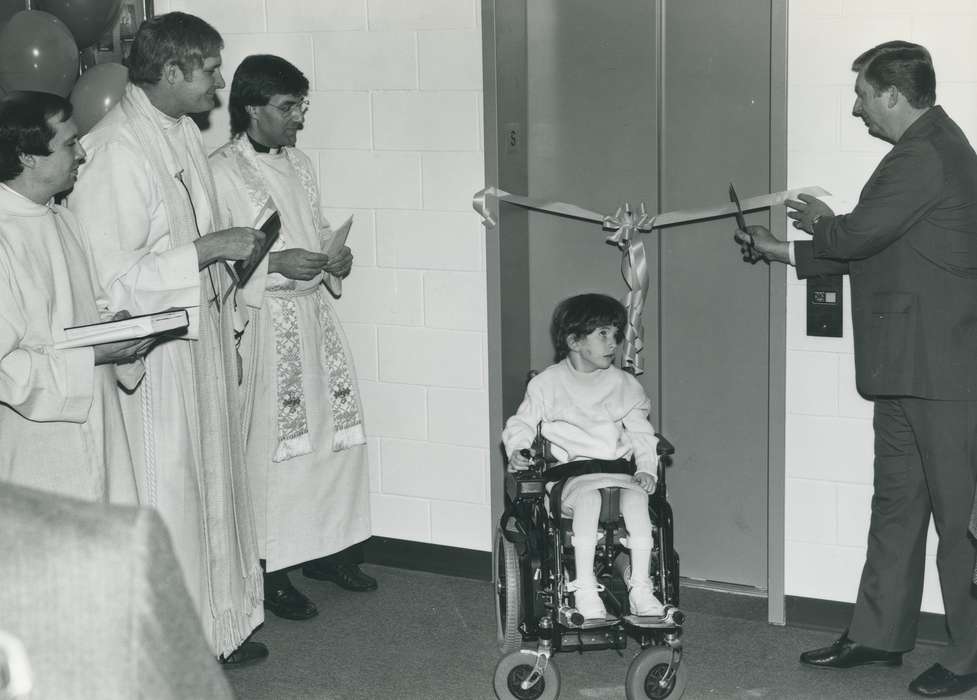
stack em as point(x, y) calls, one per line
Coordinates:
point(146, 198)
point(306, 447)
point(60, 418)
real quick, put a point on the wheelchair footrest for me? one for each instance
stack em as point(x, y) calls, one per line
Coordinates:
point(651, 621)
point(593, 623)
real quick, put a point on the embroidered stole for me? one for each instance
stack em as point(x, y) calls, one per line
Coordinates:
point(294, 438)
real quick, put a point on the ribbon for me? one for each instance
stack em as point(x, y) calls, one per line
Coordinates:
point(634, 270)
point(670, 218)
point(559, 208)
point(623, 225)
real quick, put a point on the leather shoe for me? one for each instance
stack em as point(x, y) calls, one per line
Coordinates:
point(938, 682)
point(245, 655)
point(845, 653)
point(346, 576)
point(286, 601)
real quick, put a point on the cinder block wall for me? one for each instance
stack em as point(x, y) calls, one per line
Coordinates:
point(829, 426)
point(395, 127)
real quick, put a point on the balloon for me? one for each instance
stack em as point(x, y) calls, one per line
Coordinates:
point(38, 53)
point(96, 92)
point(8, 8)
point(86, 19)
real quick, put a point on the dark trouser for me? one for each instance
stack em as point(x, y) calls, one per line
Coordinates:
point(925, 462)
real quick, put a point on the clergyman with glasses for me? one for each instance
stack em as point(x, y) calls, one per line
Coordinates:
point(306, 450)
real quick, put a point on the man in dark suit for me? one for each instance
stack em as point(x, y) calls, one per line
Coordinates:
point(909, 248)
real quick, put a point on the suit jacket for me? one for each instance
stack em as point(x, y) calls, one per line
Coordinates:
point(910, 250)
point(94, 594)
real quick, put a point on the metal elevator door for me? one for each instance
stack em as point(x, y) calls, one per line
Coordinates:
point(714, 308)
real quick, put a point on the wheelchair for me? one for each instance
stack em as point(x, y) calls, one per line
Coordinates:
point(533, 560)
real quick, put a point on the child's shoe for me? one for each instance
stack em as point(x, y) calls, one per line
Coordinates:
point(643, 600)
point(586, 598)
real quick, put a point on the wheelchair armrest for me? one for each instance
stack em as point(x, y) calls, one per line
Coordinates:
point(665, 448)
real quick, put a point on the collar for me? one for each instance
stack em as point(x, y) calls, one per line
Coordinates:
point(13, 202)
point(927, 117)
point(262, 148)
point(585, 376)
point(166, 122)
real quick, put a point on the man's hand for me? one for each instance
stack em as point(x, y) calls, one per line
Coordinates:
point(122, 351)
point(521, 460)
point(341, 263)
point(806, 211)
point(297, 263)
point(646, 481)
point(237, 243)
point(758, 243)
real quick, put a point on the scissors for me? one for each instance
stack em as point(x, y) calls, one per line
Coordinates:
point(751, 252)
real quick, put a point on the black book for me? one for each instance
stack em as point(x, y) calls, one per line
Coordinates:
point(245, 268)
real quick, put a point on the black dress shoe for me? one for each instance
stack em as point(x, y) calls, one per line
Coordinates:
point(845, 653)
point(938, 682)
point(245, 655)
point(346, 576)
point(285, 600)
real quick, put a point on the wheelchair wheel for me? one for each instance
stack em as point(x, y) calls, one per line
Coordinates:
point(514, 668)
point(645, 672)
point(508, 595)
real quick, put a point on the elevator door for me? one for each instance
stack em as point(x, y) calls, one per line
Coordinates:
point(663, 102)
point(714, 326)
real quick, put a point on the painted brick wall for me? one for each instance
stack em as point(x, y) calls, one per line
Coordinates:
point(829, 426)
point(395, 127)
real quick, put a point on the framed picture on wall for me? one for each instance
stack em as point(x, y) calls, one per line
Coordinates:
point(113, 46)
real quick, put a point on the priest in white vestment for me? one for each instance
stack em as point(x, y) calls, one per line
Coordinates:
point(306, 446)
point(60, 420)
point(146, 198)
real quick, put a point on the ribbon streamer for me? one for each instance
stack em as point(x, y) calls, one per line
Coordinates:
point(670, 218)
point(634, 270)
point(623, 225)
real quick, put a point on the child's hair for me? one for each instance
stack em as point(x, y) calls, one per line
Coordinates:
point(578, 316)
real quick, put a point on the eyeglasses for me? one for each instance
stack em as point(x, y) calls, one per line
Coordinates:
point(299, 108)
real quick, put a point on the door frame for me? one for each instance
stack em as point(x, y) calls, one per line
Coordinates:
point(495, 163)
point(777, 357)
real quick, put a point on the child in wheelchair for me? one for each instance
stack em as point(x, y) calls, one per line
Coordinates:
point(595, 417)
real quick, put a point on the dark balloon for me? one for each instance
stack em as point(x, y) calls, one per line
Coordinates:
point(37, 52)
point(86, 19)
point(8, 8)
point(98, 90)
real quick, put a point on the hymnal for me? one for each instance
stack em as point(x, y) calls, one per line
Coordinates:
point(130, 328)
point(333, 248)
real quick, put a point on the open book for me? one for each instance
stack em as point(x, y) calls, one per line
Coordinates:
point(332, 248)
point(125, 329)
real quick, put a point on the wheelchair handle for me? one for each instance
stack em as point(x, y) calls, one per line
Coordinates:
point(538, 461)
